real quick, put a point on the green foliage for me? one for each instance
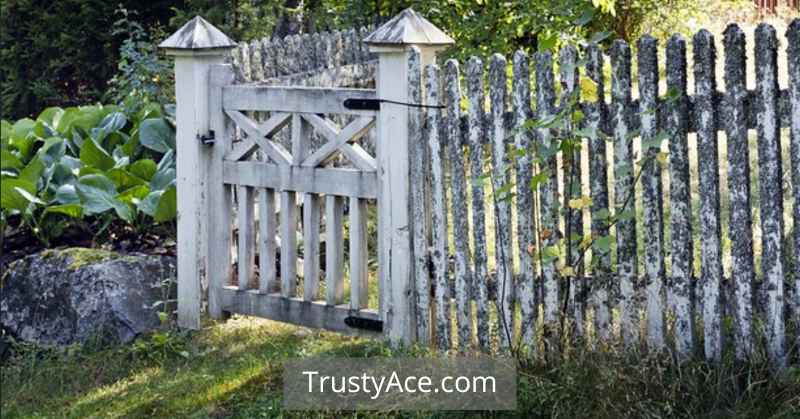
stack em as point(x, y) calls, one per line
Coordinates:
point(88, 166)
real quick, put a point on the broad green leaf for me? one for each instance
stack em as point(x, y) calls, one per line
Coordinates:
point(157, 135)
point(66, 194)
point(71, 210)
point(51, 116)
point(94, 156)
point(32, 171)
point(162, 179)
point(124, 179)
point(98, 194)
point(10, 198)
point(167, 205)
point(9, 161)
point(33, 199)
point(602, 243)
point(5, 131)
point(143, 169)
point(134, 195)
point(149, 204)
point(114, 121)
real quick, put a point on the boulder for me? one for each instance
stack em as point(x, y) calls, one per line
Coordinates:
point(78, 295)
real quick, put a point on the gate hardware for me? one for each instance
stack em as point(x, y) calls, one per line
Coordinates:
point(207, 139)
point(375, 104)
point(364, 324)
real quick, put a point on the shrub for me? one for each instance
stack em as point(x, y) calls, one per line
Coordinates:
point(89, 167)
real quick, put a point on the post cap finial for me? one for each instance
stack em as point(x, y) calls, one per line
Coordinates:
point(408, 27)
point(197, 34)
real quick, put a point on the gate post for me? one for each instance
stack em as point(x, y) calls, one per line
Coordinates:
point(391, 42)
point(196, 46)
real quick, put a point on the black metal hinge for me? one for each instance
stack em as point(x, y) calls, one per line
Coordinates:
point(364, 324)
point(375, 104)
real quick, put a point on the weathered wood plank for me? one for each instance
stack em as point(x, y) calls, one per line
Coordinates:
point(652, 198)
point(476, 136)
point(268, 128)
point(358, 254)
point(267, 248)
point(219, 194)
point(598, 173)
point(710, 233)
point(502, 201)
point(315, 100)
point(680, 296)
point(418, 177)
point(741, 232)
point(793, 54)
point(438, 211)
point(349, 134)
point(311, 250)
point(288, 216)
point(334, 250)
point(570, 94)
point(338, 181)
point(459, 196)
point(521, 103)
point(315, 314)
point(548, 194)
point(627, 264)
point(274, 150)
point(770, 181)
point(247, 235)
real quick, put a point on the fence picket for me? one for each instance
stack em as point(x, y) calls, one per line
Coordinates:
point(358, 254)
point(741, 232)
point(288, 216)
point(548, 192)
point(570, 94)
point(652, 200)
point(438, 211)
point(463, 275)
point(502, 202)
point(679, 198)
point(417, 188)
point(710, 255)
point(267, 224)
point(521, 102)
point(477, 136)
point(627, 265)
point(770, 181)
point(598, 174)
point(793, 54)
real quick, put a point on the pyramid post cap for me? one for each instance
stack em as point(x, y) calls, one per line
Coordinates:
point(408, 27)
point(197, 34)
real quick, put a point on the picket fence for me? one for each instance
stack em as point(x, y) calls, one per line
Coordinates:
point(477, 195)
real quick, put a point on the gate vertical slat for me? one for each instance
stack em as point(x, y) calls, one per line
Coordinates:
point(334, 250)
point(793, 54)
point(268, 224)
point(680, 199)
point(419, 175)
point(358, 254)
point(438, 211)
point(598, 174)
point(455, 148)
point(477, 136)
point(311, 250)
point(288, 216)
point(770, 180)
point(548, 192)
point(741, 232)
point(247, 235)
point(573, 190)
point(625, 207)
point(521, 102)
point(500, 179)
point(652, 199)
point(710, 254)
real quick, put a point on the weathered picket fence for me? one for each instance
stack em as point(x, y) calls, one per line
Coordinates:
point(462, 172)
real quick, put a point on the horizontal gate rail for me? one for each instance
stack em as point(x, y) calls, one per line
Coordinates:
point(294, 99)
point(333, 181)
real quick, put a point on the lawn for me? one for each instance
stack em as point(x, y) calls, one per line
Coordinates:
point(233, 370)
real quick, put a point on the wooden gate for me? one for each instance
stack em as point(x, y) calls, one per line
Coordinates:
point(287, 186)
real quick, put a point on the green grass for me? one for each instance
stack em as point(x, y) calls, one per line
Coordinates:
point(234, 369)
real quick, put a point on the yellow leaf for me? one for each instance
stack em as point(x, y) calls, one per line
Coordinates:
point(662, 157)
point(580, 203)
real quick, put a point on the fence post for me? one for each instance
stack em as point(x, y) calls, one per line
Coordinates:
point(391, 42)
point(196, 46)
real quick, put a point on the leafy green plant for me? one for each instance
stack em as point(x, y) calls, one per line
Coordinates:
point(88, 167)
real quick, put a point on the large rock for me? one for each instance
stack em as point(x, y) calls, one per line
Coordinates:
point(77, 295)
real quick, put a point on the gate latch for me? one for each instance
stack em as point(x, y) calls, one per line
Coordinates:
point(207, 139)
